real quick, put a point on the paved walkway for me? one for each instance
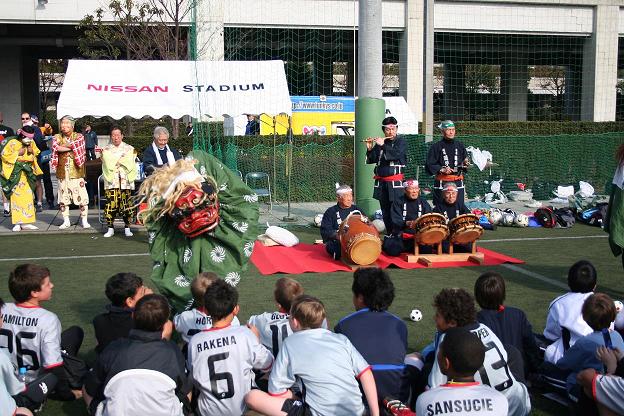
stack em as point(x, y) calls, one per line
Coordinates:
point(303, 213)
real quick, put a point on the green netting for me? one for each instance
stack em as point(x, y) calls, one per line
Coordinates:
point(318, 162)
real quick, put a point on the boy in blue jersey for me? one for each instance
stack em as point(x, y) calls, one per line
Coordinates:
point(373, 293)
point(325, 366)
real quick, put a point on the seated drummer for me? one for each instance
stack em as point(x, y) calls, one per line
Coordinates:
point(452, 207)
point(404, 212)
point(334, 216)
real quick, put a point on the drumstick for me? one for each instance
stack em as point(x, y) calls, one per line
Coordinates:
point(370, 139)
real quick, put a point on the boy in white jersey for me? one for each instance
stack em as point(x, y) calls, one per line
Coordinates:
point(324, 365)
point(456, 308)
point(273, 326)
point(565, 323)
point(193, 321)
point(460, 356)
point(32, 335)
point(222, 358)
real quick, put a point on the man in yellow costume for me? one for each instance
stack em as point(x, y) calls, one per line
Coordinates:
point(120, 171)
point(19, 176)
point(68, 157)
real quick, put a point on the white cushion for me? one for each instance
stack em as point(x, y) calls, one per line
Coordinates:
point(282, 236)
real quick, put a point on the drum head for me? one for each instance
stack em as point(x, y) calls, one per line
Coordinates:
point(433, 234)
point(467, 235)
point(365, 251)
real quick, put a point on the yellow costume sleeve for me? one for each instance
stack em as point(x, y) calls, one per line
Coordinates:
point(9, 157)
point(128, 162)
point(109, 160)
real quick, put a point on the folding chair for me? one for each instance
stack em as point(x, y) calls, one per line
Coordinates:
point(260, 183)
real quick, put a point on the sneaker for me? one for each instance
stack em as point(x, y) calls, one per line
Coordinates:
point(17, 228)
point(127, 232)
point(85, 224)
point(66, 224)
point(29, 227)
point(109, 233)
point(7, 213)
point(39, 207)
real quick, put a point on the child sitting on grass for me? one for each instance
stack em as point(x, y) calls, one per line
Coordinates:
point(193, 321)
point(460, 356)
point(123, 290)
point(326, 364)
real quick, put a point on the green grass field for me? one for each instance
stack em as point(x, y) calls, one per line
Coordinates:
point(81, 263)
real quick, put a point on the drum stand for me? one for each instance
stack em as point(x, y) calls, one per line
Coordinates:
point(429, 259)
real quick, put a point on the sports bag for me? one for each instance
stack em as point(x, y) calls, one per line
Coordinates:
point(565, 217)
point(546, 217)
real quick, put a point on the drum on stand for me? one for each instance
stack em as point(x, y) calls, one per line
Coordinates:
point(465, 229)
point(359, 239)
point(430, 229)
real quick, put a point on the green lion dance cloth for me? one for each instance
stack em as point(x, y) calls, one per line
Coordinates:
point(201, 217)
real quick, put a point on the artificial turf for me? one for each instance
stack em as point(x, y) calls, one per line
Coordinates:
point(79, 282)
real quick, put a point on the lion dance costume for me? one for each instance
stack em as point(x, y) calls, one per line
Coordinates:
point(200, 217)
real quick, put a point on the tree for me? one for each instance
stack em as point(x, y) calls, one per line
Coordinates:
point(137, 29)
point(50, 81)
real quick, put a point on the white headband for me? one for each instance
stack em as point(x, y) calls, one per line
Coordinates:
point(186, 176)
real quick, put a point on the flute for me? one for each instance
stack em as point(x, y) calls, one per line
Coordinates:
point(371, 139)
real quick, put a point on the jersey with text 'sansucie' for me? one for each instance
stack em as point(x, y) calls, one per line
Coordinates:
point(495, 372)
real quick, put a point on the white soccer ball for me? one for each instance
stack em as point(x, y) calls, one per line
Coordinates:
point(317, 220)
point(508, 219)
point(522, 220)
point(495, 217)
point(416, 315)
point(379, 225)
point(618, 305)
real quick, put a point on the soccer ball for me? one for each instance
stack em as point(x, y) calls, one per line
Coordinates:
point(495, 216)
point(618, 305)
point(522, 220)
point(379, 225)
point(508, 219)
point(416, 315)
point(317, 220)
point(378, 215)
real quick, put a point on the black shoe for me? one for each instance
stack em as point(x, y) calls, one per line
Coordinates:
point(39, 208)
point(7, 213)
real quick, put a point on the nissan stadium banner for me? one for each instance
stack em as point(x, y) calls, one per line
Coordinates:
point(173, 88)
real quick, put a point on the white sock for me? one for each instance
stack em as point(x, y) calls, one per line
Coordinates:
point(127, 232)
point(7, 206)
point(110, 232)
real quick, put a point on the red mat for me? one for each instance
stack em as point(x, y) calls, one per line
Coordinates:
point(304, 258)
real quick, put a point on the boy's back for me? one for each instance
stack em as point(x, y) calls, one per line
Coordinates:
point(327, 365)
point(193, 321)
point(472, 399)
point(495, 372)
point(111, 325)
point(364, 328)
point(565, 312)
point(32, 337)
point(221, 361)
point(583, 354)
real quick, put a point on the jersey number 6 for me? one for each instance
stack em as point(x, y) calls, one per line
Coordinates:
point(21, 352)
point(215, 377)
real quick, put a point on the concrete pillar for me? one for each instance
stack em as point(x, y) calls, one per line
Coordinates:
point(10, 85)
point(411, 58)
point(454, 90)
point(600, 56)
point(209, 16)
point(30, 82)
point(514, 91)
point(572, 93)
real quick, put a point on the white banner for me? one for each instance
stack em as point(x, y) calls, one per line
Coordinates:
point(173, 88)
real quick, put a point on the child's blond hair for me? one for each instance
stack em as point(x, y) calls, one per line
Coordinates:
point(308, 311)
point(286, 290)
point(199, 285)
